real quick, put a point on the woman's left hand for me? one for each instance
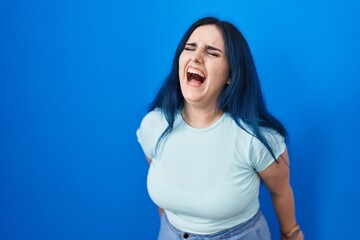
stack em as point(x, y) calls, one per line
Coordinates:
point(299, 236)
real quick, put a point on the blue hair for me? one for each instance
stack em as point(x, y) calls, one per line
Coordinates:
point(242, 99)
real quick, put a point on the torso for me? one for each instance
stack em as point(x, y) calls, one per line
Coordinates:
point(203, 176)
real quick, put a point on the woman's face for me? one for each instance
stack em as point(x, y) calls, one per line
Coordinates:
point(203, 67)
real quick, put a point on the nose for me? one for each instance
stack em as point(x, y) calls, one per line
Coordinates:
point(197, 57)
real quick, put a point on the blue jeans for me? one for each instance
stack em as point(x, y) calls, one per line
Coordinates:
point(255, 228)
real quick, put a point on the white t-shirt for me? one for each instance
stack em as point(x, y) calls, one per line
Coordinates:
point(205, 179)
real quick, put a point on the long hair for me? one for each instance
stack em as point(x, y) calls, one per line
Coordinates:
point(242, 98)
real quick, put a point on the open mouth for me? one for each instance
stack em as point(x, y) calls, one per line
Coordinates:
point(195, 77)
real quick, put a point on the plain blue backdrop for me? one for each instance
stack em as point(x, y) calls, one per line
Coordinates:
point(76, 78)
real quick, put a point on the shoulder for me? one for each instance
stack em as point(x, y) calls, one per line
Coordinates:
point(153, 121)
point(273, 138)
point(151, 117)
point(152, 126)
point(260, 154)
point(270, 135)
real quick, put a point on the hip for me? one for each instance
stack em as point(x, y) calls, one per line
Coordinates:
point(254, 228)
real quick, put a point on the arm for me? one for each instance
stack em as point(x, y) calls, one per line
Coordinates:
point(277, 179)
point(161, 211)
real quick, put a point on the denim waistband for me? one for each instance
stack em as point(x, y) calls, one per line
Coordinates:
point(233, 231)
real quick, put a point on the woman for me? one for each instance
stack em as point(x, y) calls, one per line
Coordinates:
point(210, 140)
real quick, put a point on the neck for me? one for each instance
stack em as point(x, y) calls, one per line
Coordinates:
point(200, 117)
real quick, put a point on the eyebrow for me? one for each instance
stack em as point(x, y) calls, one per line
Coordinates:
point(206, 47)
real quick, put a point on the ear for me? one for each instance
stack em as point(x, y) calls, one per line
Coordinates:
point(229, 80)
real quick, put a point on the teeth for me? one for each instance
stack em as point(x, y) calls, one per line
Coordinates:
point(195, 71)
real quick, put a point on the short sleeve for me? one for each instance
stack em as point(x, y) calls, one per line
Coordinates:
point(150, 130)
point(260, 157)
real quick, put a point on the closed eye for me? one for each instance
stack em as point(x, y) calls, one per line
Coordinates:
point(190, 46)
point(214, 54)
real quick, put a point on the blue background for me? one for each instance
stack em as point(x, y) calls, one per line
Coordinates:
point(75, 81)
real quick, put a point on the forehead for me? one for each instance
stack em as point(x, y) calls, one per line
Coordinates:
point(207, 35)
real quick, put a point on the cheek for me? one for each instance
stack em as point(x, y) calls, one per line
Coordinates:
point(181, 65)
point(221, 74)
point(226, 73)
